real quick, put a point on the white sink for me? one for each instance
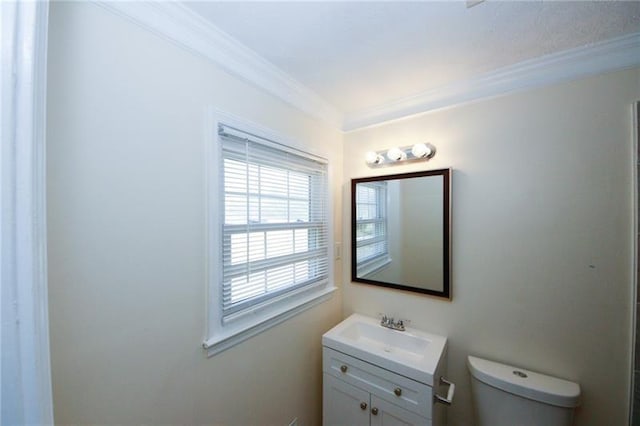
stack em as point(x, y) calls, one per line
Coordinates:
point(411, 353)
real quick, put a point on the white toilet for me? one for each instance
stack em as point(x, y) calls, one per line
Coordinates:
point(509, 396)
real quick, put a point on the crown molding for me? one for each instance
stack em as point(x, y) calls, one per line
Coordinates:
point(611, 55)
point(182, 26)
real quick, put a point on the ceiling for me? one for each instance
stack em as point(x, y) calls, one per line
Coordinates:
point(361, 55)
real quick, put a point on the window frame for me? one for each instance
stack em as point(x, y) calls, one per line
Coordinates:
point(380, 260)
point(224, 332)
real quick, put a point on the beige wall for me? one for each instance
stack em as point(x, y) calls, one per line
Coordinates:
point(126, 213)
point(422, 232)
point(542, 235)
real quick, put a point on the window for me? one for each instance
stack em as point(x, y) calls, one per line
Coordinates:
point(371, 227)
point(270, 242)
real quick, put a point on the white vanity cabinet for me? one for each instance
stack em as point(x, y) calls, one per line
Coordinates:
point(349, 405)
point(356, 392)
point(369, 378)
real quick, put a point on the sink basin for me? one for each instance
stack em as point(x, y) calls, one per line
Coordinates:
point(411, 353)
point(377, 337)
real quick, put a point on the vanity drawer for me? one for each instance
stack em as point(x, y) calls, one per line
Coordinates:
point(399, 390)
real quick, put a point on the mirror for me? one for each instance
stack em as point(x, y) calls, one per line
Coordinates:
point(401, 231)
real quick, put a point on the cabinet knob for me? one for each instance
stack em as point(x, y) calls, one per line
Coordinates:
point(343, 368)
point(363, 405)
point(397, 391)
point(374, 411)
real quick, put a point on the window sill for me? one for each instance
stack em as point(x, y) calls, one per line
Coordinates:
point(222, 340)
point(374, 265)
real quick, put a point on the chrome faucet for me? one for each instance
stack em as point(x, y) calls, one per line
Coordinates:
point(392, 323)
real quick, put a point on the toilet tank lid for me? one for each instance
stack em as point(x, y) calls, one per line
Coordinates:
point(525, 383)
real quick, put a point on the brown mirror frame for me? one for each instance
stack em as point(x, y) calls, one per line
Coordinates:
point(446, 229)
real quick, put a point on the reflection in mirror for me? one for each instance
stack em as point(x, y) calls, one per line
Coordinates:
point(401, 231)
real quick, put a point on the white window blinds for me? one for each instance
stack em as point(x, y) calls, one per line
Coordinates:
point(371, 222)
point(275, 227)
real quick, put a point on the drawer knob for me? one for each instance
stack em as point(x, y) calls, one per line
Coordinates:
point(397, 391)
point(343, 368)
point(374, 411)
point(363, 405)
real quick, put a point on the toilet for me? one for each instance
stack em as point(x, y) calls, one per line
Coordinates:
point(507, 396)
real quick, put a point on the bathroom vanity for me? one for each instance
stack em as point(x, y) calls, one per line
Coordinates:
point(373, 375)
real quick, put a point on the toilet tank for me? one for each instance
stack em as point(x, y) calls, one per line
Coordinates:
point(505, 396)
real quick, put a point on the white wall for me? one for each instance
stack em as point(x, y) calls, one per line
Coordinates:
point(126, 215)
point(542, 235)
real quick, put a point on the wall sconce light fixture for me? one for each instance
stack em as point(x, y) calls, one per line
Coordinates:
point(419, 151)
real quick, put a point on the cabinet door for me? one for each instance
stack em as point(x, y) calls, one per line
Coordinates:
point(344, 404)
point(384, 413)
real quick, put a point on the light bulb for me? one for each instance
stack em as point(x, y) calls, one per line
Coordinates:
point(373, 157)
point(396, 154)
point(421, 150)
